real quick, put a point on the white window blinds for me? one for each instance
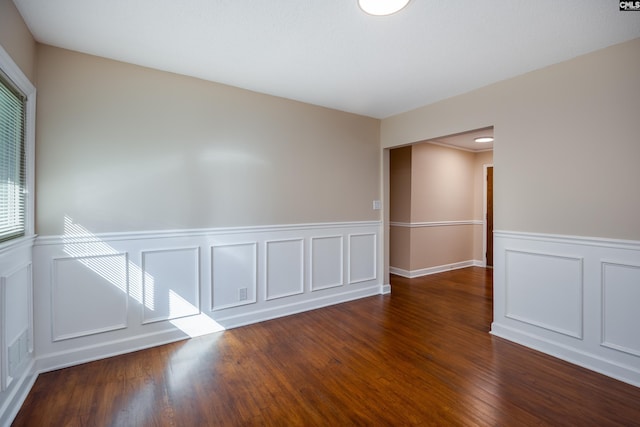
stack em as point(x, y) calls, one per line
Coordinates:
point(12, 161)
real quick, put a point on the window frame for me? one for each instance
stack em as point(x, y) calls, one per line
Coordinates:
point(22, 83)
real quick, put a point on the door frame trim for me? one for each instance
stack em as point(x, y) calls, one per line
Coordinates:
point(484, 211)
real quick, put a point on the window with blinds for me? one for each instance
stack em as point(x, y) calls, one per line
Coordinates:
point(12, 161)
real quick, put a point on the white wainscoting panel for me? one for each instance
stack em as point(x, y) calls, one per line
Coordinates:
point(89, 295)
point(545, 290)
point(170, 284)
point(285, 268)
point(15, 295)
point(326, 262)
point(621, 307)
point(16, 326)
point(573, 297)
point(97, 295)
point(362, 257)
point(234, 275)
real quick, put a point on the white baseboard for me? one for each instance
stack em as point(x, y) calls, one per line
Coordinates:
point(570, 354)
point(219, 279)
point(19, 393)
point(573, 297)
point(256, 316)
point(410, 274)
point(103, 350)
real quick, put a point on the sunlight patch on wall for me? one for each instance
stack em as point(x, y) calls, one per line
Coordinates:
point(90, 251)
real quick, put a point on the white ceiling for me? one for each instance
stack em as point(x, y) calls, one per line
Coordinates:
point(329, 53)
point(466, 140)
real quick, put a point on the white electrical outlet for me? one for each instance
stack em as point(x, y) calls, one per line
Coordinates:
point(242, 294)
point(376, 205)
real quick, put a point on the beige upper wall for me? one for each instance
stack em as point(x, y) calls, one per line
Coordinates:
point(122, 148)
point(566, 146)
point(400, 169)
point(442, 181)
point(481, 160)
point(16, 39)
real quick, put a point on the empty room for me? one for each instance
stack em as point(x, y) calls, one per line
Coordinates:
point(340, 212)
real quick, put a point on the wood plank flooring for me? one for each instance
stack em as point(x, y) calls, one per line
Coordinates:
point(420, 356)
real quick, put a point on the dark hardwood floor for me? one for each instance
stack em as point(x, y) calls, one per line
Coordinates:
point(420, 356)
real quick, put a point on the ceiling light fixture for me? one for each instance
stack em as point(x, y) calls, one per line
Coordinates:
point(382, 7)
point(484, 139)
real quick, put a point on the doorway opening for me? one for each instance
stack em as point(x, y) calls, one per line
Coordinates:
point(439, 215)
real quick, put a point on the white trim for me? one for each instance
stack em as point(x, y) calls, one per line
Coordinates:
point(143, 279)
point(5, 378)
point(301, 264)
point(17, 395)
point(102, 350)
point(17, 77)
point(625, 373)
point(508, 311)
point(16, 244)
point(4, 357)
point(350, 279)
point(576, 240)
point(589, 351)
point(212, 305)
point(340, 282)
point(456, 147)
point(603, 327)
point(410, 274)
point(485, 238)
point(347, 294)
point(196, 232)
point(435, 223)
point(56, 337)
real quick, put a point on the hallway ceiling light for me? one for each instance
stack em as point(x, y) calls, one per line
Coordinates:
point(382, 7)
point(484, 139)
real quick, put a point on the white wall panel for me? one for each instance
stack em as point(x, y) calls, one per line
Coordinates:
point(326, 262)
point(234, 276)
point(170, 283)
point(573, 297)
point(362, 257)
point(16, 324)
point(545, 290)
point(285, 268)
point(89, 295)
point(621, 307)
point(17, 289)
point(92, 299)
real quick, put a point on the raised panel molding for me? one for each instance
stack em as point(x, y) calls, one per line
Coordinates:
point(234, 275)
point(362, 257)
point(89, 295)
point(170, 284)
point(284, 268)
point(572, 297)
point(326, 262)
point(621, 307)
point(16, 341)
point(545, 290)
point(281, 267)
